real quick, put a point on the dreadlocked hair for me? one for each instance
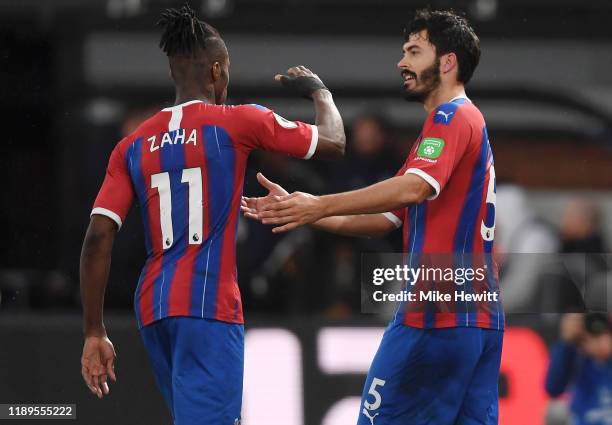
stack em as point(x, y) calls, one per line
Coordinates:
point(183, 32)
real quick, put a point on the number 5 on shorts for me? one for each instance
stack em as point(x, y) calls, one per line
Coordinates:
point(377, 398)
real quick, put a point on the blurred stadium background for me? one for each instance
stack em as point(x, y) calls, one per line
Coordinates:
point(77, 75)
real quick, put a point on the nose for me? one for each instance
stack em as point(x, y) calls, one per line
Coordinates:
point(402, 63)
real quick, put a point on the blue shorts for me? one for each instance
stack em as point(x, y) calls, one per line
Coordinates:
point(198, 365)
point(433, 376)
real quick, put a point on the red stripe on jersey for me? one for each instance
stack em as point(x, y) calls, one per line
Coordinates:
point(416, 320)
point(412, 318)
point(449, 222)
point(151, 164)
point(180, 288)
point(445, 320)
point(229, 305)
point(179, 302)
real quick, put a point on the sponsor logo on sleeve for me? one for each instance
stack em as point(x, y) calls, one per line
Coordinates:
point(445, 114)
point(431, 147)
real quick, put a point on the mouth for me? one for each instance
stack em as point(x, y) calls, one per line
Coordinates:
point(408, 77)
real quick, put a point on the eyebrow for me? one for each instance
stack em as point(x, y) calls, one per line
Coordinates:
point(412, 47)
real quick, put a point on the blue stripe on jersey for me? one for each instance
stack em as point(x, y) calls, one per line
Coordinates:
point(134, 162)
point(237, 304)
point(172, 161)
point(133, 158)
point(459, 101)
point(497, 314)
point(220, 164)
point(445, 113)
point(263, 108)
point(415, 235)
point(464, 236)
point(143, 273)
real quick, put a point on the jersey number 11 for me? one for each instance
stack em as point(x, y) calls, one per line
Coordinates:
point(161, 181)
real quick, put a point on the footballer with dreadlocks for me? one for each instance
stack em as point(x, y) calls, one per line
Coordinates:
point(185, 167)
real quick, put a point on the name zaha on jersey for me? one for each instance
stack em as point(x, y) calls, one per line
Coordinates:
point(170, 138)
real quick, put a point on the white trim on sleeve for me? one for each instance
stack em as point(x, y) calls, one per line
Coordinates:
point(393, 219)
point(314, 140)
point(108, 213)
point(429, 179)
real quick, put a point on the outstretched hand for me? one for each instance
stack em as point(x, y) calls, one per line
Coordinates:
point(252, 207)
point(291, 211)
point(97, 364)
point(278, 207)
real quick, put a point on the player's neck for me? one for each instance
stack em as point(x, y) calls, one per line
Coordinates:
point(443, 95)
point(183, 95)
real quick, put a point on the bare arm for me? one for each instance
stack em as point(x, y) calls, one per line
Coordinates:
point(387, 195)
point(332, 140)
point(300, 208)
point(94, 269)
point(97, 360)
point(365, 225)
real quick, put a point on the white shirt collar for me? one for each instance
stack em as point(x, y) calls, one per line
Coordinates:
point(190, 102)
point(460, 97)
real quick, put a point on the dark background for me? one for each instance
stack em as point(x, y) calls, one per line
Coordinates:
point(78, 75)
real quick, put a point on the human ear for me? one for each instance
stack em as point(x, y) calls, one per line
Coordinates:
point(216, 71)
point(448, 62)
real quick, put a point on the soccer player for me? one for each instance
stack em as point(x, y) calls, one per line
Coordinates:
point(433, 366)
point(185, 167)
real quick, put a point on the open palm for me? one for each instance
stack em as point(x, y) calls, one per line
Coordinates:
point(97, 363)
point(252, 207)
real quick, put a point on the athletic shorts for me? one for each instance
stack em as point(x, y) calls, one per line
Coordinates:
point(443, 376)
point(198, 365)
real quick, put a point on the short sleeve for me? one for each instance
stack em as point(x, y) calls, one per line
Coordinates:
point(397, 217)
point(443, 143)
point(116, 194)
point(271, 132)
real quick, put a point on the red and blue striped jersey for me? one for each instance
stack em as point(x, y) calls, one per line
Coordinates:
point(185, 166)
point(455, 226)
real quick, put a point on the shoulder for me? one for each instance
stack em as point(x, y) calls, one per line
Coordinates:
point(261, 115)
point(145, 129)
point(459, 111)
point(245, 114)
point(149, 126)
point(250, 109)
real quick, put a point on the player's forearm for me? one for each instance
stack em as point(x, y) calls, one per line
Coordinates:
point(388, 195)
point(368, 226)
point(94, 270)
point(561, 368)
point(329, 123)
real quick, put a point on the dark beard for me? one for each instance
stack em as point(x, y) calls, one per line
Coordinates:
point(430, 79)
